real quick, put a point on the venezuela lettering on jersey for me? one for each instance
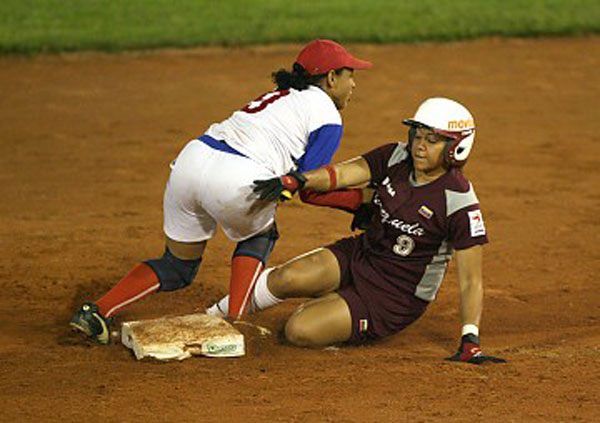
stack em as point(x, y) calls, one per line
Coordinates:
point(409, 228)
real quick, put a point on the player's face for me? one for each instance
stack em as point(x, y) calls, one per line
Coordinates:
point(428, 152)
point(340, 87)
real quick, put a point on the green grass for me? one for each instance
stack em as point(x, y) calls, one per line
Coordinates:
point(31, 26)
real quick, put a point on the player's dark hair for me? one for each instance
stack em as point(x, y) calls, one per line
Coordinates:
point(412, 131)
point(298, 78)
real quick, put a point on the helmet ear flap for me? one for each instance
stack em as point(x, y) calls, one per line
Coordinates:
point(456, 152)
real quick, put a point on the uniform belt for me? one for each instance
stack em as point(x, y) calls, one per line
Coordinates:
point(219, 145)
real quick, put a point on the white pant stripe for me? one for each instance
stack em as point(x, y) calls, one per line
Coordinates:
point(129, 301)
point(250, 290)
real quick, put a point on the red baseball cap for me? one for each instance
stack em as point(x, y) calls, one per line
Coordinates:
point(322, 56)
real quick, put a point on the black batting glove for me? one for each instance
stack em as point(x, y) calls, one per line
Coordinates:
point(470, 352)
point(281, 188)
point(363, 217)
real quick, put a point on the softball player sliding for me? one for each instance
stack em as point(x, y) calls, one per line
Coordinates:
point(375, 284)
point(295, 128)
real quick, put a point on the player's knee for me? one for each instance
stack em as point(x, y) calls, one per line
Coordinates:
point(174, 273)
point(285, 281)
point(259, 246)
point(296, 279)
point(299, 333)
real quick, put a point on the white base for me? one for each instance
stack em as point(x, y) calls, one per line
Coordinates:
point(178, 338)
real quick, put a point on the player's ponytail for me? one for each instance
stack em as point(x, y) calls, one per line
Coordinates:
point(298, 78)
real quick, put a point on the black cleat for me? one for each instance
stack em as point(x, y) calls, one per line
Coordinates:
point(89, 321)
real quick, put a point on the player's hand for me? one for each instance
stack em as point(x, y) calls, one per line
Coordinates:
point(362, 217)
point(281, 188)
point(470, 352)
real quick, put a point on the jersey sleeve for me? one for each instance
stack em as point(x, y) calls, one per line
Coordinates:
point(466, 228)
point(322, 145)
point(378, 160)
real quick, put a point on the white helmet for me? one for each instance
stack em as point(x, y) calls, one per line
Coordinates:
point(451, 120)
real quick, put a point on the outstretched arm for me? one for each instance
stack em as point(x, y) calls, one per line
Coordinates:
point(351, 173)
point(471, 305)
point(471, 285)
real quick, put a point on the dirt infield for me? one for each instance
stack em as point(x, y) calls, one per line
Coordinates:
point(86, 143)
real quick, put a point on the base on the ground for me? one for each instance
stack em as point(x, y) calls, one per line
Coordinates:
point(178, 338)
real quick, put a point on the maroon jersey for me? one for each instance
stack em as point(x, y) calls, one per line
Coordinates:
point(413, 233)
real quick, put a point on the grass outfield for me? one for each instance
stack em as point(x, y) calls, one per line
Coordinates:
point(31, 26)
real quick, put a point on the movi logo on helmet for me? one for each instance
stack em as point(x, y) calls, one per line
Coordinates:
point(461, 124)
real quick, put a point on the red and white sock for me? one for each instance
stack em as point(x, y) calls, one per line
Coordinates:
point(221, 308)
point(244, 273)
point(261, 299)
point(137, 284)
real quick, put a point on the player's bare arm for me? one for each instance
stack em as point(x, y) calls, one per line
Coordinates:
point(468, 263)
point(349, 174)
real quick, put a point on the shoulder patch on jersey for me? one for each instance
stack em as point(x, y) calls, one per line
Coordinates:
point(400, 153)
point(459, 200)
point(476, 223)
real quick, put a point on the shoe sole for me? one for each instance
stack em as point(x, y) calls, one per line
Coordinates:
point(103, 338)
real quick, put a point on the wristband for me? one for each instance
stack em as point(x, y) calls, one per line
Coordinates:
point(293, 181)
point(470, 329)
point(332, 177)
point(290, 183)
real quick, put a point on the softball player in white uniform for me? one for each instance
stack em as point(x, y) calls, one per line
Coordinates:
point(294, 129)
point(211, 179)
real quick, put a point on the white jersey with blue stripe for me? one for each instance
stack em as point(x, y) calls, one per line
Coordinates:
point(284, 130)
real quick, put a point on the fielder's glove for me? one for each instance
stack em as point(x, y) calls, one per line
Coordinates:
point(363, 217)
point(281, 188)
point(470, 352)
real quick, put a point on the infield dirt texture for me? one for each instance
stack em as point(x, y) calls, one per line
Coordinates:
point(86, 144)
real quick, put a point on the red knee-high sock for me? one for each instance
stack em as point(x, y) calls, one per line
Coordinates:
point(138, 283)
point(244, 272)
